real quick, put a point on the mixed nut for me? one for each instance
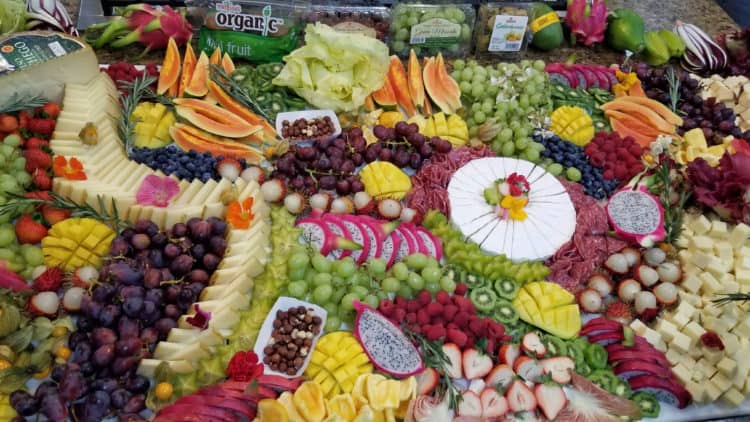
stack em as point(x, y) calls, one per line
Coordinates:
point(303, 129)
point(291, 339)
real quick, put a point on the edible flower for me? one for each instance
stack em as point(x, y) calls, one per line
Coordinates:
point(157, 191)
point(200, 319)
point(244, 367)
point(239, 214)
point(518, 184)
point(587, 21)
point(513, 207)
point(71, 169)
point(628, 84)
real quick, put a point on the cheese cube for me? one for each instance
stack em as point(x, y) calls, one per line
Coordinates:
point(731, 344)
point(682, 242)
point(690, 298)
point(742, 261)
point(680, 320)
point(733, 397)
point(740, 234)
point(742, 250)
point(722, 382)
point(738, 380)
point(743, 328)
point(655, 340)
point(724, 250)
point(705, 367)
point(704, 243)
point(728, 285)
point(718, 229)
point(693, 330)
point(701, 259)
point(697, 391)
point(638, 327)
point(712, 356)
point(727, 366)
point(666, 329)
point(687, 310)
point(711, 310)
point(682, 373)
point(691, 283)
point(698, 376)
point(700, 225)
point(742, 276)
point(710, 284)
point(712, 392)
point(696, 352)
point(674, 356)
point(680, 342)
point(718, 267)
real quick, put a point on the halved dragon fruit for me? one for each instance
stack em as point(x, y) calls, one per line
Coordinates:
point(318, 234)
point(637, 216)
point(385, 344)
point(358, 234)
point(666, 390)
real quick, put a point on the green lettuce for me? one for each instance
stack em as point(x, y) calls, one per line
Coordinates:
point(12, 16)
point(335, 70)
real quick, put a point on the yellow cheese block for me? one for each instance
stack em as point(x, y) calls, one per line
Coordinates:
point(549, 307)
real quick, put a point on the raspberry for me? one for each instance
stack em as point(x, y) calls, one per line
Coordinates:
point(434, 309)
point(424, 297)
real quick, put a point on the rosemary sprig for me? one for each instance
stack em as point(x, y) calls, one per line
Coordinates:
point(731, 297)
point(433, 356)
point(673, 213)
point(17, 103)
point(137, 91)
point(226, 83)
point(674, 88)
point(19, 204)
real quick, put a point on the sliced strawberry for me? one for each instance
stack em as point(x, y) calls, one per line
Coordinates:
point(470, 405)
point(532, 344)
point(559, 368)
point(551, 399)
point(508, 353)
point(427, 381)
point(453, 353)
point(520, 397)
point(475, 364)
point(527, 368)
point(493, 404)
point(501, 375)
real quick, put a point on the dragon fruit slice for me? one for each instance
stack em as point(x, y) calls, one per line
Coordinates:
point(358, 235)
point(376, 238)
point(319, 235)
point(410, 230)
point(338, 229)
point(408, 243)
point(430, 242)
point(666, 390)
point(385, 344)
point(637, 216)
point(391, 246)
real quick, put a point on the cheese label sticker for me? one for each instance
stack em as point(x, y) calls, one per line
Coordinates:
point(27, 50)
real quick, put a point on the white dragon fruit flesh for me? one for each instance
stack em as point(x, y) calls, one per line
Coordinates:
point(637, 216)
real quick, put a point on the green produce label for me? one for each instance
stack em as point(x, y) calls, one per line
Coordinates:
point(24, 51)
point(435, 32)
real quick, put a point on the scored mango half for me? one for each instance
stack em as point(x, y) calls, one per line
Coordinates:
point(550, 307)
point(384, 180)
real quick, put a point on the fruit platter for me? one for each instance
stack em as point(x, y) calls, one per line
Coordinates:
point(366, 214)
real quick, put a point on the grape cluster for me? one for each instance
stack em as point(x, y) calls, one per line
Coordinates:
point(404, 146)
point(572, 159)
point(171, 160)
point(516, 96)
point(124, 72)
point(714, 118)
point(334, 285)
point(139, 301)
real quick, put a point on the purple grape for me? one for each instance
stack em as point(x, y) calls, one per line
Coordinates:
point(401, 159)
point(96, 407)
point(146, 226)
point(298, 183)
point(154, 295)
point(415, 161)
point(124, 365)
point(119, 247)
point(127, 233)
point(323, 164)
point(159, 240)
point(104, 355)
point(198, 276)
point(726, 126)
point(132, 306)
point(358, 159)
point(108, 316)
point(102, 335)
point(358, 144)
point(196, 288)
point(218, 226)
point(75, 338)
point(357, 186)
point(442, 146)
point(87, 369)
point(23, 403)
point(425, 151)
point(412, 128)
point(129, 346)
point(127, 328)
point(417, 140)
point(355, 132)
point(53, 407)
point(708, 132)
point(156, 259)
point(130, 417)
point(57, 372)
point(198, 251)
point(149, 308)
point(164, 325)
point(343, 187)
point(402, 129)
point(72, 386)
point(186, 299)
point(149, 335)
point(385, 154)
point(172, 294)
point(124, 274)
point(102, 293)
point(91, 309)
point(179, 230)
point(339, 143)
point(120, 398)
point(140, 241)
point(84, 324)
point(136, 404)
point(152, 278)
point(347, 167)
point(105, 384)
point(305, 153)
point(166, 275)
point(132, 291)
point(370, 155)
point(380, 132)
point(181, 265)
point(211, 262)
point(137, 384)
point(336, 162)
point(45, 388)
point(200, 231)
point(171, 251)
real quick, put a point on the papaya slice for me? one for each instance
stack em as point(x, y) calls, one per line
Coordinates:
point(623, 130)
point(214, 119)
point(215, 57)
point(433, 86)
point(170, 68)
point(188, 137)
point(400, 85)
point(227, 64)
point(267, 132)
point(656, 106)
point(385, 96)
point(198, 85)
point(649, 115)
point(416, 85)
point(633, 122)
point(188, 66)
point(449, 85)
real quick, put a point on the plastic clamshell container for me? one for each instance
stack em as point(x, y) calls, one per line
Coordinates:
point(283, 303)
point(502, 29)
point(429, 28)
point(373, 21)
point(291, 116)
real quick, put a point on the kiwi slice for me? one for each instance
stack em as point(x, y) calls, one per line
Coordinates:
point(484, 299)
point(506, 289)
point(575, 352)
point(505, 312)
point(555, 346)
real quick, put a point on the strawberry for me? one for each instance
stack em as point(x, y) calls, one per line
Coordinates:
point(508, 353)
point(36, 143)
point(427, 381)
point(51, 109)
point(475, 364)
point(54, 215)
point(49, 281)
point(559, 368)
point(29, 231)
point(532, 345)
point(456, 336)
point(37, 159)
point(551, 399)
point(493, 404)
point(43, 127)
point(453, 354)
point(424, 297)
point(520, 397)
point(23, 119)
point(501, 375)
point(41, 180)
point(8, 123)
point(470, 405)
point(527, 368)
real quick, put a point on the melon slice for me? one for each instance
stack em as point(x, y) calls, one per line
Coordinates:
point(198, 85)
point(188, 66)
point(170, 68)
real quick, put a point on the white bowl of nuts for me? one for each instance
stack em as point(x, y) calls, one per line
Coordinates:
point(288, 336)
point(308, 125)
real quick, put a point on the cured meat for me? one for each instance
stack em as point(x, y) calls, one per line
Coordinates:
point(590, 246)
point(430, 184)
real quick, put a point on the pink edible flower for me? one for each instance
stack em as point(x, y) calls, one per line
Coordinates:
point(589, 25)
point(157, 191)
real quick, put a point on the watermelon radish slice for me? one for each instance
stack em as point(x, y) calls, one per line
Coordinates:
point(666, 390)
point(624, 356)
point(604, 81)
point(358, 235)
point(319, 235)
point(591, 80)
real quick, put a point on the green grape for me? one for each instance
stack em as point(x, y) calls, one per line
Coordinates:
point(431, 274)
point(416, 261)
point(515, 125)
point(536, 99)
point(522, 132)
point(508, 149)
point(531, 155)
point(321, 264)
point(492, 91)
point(398, 46)
point(523, 101)
point(346, 267)
point(371, 300)
point(333, 323)
point(19, 163)
point(12, 140)
point(309, 275)
point(415, 281)
point(296, 273)
point(529, 89)
point(376, 266)
point(6, 254)
point(573, 174)
point(467, 74)
point(432, 262)
point(456, 75)
point(496, 146)
point(470, 122)
point(405, 291)
point(337, 295)
point(505, 135)
point(359, 290)
point(459, 64)
point(476, 107)
point(400, 271)
point(322, 278)
point(6, 150)
point(412, 21)
point(7, 236)
point(539, 65)
point(472, 133)
point(337, 280)
point(432, 287)
point(32, 255)
point(322, 293)
point(522, 143)
point(298, 260)
point(447, 284)
point(401, 35)
point(480, 117)
point(331, 308)
point(298, 289)
point(390, 284)
point(347, 302)
point(465, 87)
point(27, 273)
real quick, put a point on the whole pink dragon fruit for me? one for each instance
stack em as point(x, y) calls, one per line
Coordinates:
point(586, 22)
point(144, 24)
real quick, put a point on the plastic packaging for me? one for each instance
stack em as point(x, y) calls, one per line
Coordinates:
point(257, 31)
point(372, 21)
point(502, 29)
point(432, 28)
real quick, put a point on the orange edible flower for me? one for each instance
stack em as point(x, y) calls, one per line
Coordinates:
point(240, 215)
point(71, 169)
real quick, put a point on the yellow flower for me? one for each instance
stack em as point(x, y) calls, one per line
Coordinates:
point(515, 205)
point(627, 80)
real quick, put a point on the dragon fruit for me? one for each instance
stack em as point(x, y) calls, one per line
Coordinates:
point(587, 22)
point(385, 344)
point(637, 216)
point(144, 24)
